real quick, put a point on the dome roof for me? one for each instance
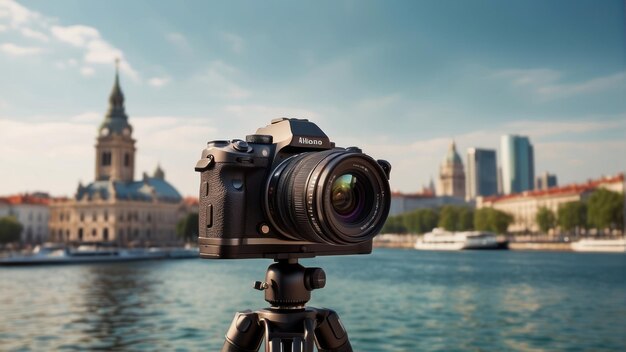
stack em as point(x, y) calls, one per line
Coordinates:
point(453, 157)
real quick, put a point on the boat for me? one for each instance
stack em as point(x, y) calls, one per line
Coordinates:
point(60, 254)
point(617, 245)
point(442, 240)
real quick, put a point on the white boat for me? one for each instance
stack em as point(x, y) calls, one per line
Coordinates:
point(59, 254)
point(441, 240)
point(600, 245)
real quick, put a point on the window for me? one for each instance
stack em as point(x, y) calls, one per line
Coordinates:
point(126, 159)
point(80, 234)
point(106, 216)
point(105, 234)
point(106, 158)
point(82, 216)
point(94, 233)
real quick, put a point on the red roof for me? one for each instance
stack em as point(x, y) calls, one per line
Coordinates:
point(191, 201)
point(567, 189)
point(424, 194)
point(25, 199)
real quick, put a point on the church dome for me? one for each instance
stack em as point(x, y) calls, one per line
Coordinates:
point(453, 157)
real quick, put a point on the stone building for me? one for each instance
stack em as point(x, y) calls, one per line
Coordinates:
point(524, 206)
point(452, 175)
point(30, 210)
point(115, 207)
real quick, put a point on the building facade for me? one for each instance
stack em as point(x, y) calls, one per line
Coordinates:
point(115, 207)
point(30, 210)
point(404, 203)
point(518, 164)
point(452, 175)
point(545, 181)
point(524, 206)
point(482, 173)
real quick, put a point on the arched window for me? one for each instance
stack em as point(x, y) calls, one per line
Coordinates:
point(126, 159)
point(106, 158)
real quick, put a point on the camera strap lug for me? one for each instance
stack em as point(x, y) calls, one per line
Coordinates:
point(205, 163)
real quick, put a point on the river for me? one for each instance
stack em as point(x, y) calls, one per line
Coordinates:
point(391, 300)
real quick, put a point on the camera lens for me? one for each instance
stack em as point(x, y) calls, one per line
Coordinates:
point(348, 197)
point(334, 196)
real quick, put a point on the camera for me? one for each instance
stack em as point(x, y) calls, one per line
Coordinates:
point(287, 192)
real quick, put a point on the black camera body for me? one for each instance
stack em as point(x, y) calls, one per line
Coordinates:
point(288, 192)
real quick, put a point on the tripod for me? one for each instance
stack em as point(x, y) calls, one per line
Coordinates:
point(287, 325)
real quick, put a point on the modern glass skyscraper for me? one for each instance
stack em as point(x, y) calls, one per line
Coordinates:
point(518, 164)
point(482, 173)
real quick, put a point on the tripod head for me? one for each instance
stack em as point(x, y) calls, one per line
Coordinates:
point(288, 285)
point(287, 325)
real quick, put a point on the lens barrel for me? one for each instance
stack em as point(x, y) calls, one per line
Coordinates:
point(335, 196)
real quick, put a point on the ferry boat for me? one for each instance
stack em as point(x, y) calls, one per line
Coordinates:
point(441, 240)
point(60, 254)
point(600, 245)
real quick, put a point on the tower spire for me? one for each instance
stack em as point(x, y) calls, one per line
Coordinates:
point(116, 99)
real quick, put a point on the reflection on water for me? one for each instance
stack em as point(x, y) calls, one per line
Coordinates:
point(393, 300)
point(116, 306)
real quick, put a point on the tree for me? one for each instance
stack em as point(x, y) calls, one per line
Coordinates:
point(500, 221)
point(493, 220)
point(430, 218)
point(545, 219)
point(466, 219)
point(10, 229)
point(449, 218)
point(606, 210)
point(394, 224)
point(572, 216)
point(187, 227)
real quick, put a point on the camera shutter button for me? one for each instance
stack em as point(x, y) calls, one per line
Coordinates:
point(240, 145)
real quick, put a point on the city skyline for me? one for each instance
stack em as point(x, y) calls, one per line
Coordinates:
point(401, 81)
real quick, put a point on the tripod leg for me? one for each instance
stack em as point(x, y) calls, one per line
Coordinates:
point(330, 334)
point(245, 333)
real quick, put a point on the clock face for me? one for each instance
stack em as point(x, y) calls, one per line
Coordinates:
point(104, 132)
point(126, 131)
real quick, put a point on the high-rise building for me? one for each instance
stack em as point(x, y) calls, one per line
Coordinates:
point(115, 207)
point(482, 173)
point(452, 175)
point(546, 181)
point(518, 164)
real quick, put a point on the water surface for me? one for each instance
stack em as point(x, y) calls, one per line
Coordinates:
point(391, 300)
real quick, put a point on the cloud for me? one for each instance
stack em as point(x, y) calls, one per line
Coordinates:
point(219, 79)
point(96, 49)
point(16, 50)
point(16, 14)
point(87, 71)
point(77, 35)
point(178, 40)
point(32, 25)
point(63, 147)
point(158, 81)
point(235, 41)
point(546, 84)
point(378, 102)
point(553, 91)
point(33, 34)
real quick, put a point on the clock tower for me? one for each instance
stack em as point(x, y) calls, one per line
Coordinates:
point(115, 147)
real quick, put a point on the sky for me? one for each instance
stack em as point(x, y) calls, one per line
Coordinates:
point(399, 79)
